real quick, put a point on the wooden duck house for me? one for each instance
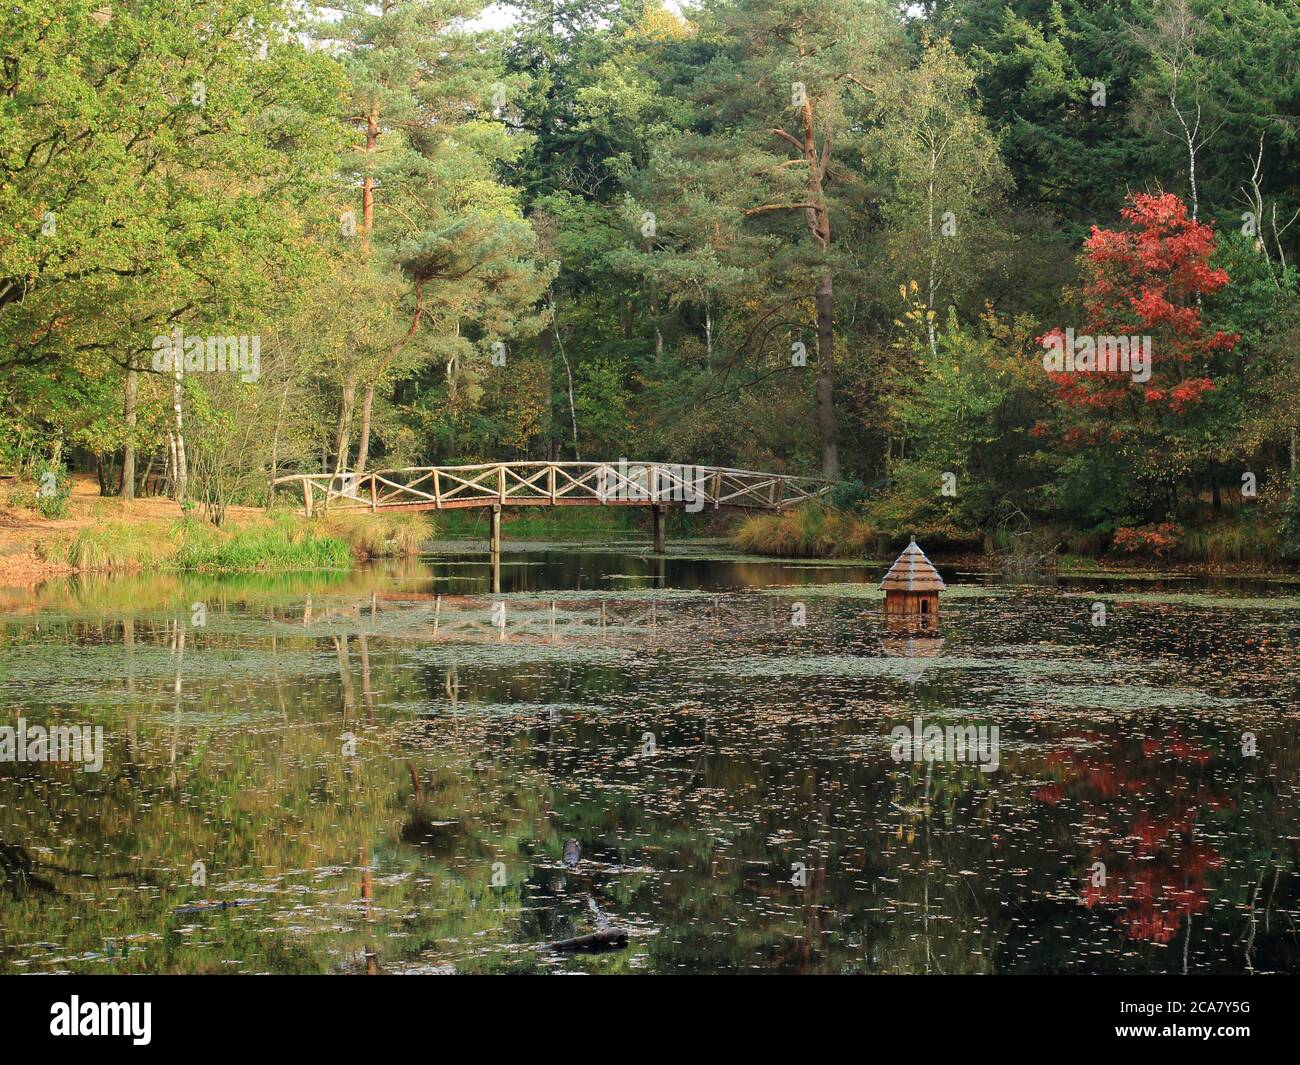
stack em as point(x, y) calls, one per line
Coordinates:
point(912, 588)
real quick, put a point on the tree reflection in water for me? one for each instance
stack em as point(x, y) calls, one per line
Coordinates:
point(477, 745)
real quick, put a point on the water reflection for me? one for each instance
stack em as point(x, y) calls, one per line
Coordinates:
point(391, 762)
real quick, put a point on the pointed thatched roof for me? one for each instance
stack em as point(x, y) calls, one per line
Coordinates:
point(913, 572)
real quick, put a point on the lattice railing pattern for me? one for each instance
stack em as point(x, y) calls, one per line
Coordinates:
point(555, 484)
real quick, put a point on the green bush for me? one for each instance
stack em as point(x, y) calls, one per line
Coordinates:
point(53, 491)
point(848, 495)
point(912, 504)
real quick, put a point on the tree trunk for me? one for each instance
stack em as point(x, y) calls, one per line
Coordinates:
point(934, 262)
point(546, 352)
point(363, 445)
point(275, 444)
point(568, 373)
point(819, 223)
point(182, 473)
point(655, 318)
point(604, 937)
point(341, 432)
point(825, 378)
point(819, 226)
point(129, 416)
point(368, 185)
point(708, 336)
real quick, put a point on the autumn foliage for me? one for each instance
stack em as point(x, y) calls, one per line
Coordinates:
point(1158, 539)
point(1148, 279)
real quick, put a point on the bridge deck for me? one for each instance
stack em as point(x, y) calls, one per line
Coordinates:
point(555, 484)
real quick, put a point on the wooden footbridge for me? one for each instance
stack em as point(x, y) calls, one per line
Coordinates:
point(496, 485)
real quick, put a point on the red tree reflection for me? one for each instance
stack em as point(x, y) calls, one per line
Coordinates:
point(1140, 801)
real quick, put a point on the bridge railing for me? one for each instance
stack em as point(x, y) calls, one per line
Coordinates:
point(555, 484)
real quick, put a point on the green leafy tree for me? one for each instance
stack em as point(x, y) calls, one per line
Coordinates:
point(157, 166)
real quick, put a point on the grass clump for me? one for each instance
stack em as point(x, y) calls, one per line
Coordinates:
point(110, 547)
point(192, 545)
point(381, 535)
point(281, 545)
point(811, 531)
point(1233, 543)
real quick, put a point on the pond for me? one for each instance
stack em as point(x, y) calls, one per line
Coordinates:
point(379, 771)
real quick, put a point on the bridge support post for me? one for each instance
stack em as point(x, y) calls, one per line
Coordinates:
point(657, 513)
point(494, 547)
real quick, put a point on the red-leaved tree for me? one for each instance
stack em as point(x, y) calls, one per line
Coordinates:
point(1147, 279)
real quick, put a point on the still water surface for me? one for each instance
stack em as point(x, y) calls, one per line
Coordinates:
point(382, 768)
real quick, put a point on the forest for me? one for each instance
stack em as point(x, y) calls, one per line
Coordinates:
point(1006, 271)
